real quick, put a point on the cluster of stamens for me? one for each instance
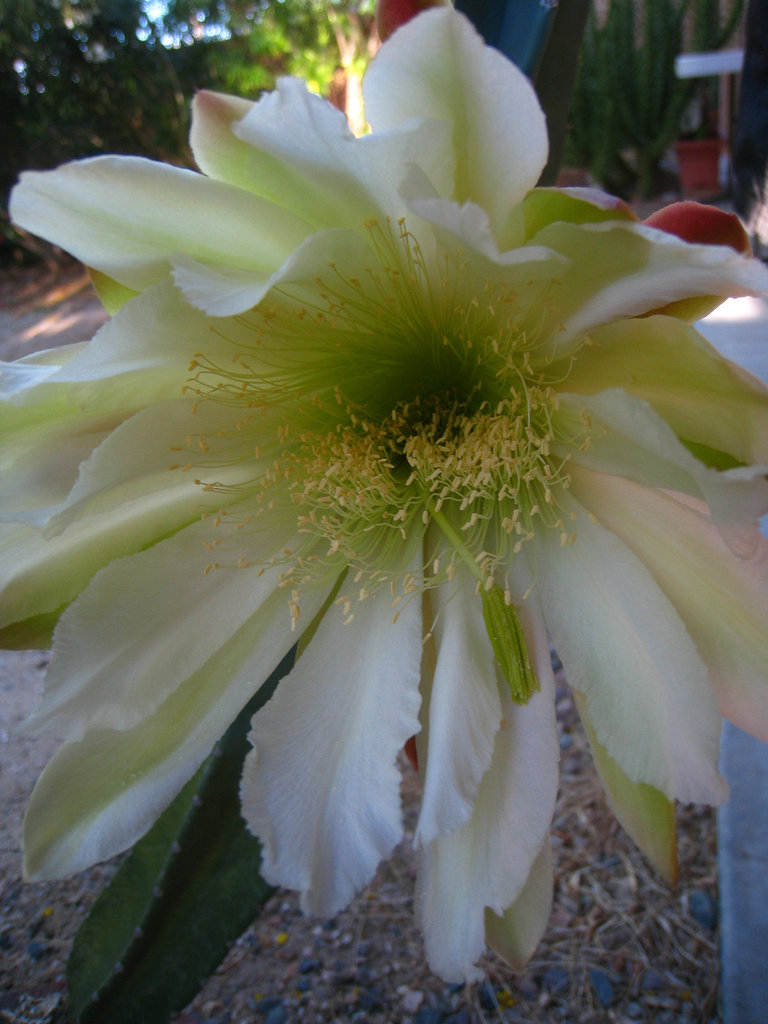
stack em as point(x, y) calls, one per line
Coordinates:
point(394, 398)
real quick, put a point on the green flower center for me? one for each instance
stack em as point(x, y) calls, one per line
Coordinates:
point(381, 401)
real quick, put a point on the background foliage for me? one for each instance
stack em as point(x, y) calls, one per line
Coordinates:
point(83, 77)
point(628, 105)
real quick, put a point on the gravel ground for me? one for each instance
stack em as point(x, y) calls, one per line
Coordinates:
point(621, 945)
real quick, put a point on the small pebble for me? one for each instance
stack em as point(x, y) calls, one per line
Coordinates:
point(429, 1015)
point(345, 977)
point(364, 948)
point(267, 1004)
point(307, 965)
point(36, 950)
point(652, 981)
point(703, 909)
point(303, 985)
point(527, 987)
point(487, 997)
point(372, 999)
point(276, 1016)
point(412, 1000)
point(460, 1017)
point(634, 1010)
point(602, 986)
point(556, 980)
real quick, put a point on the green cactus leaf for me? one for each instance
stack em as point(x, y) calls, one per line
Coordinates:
point(184, 893)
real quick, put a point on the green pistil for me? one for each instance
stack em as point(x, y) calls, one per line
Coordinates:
point(509, 646)
point(501, 622)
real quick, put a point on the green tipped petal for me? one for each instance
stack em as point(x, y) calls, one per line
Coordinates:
point(704, 398)
point(646, 814)
point(113, 295)
point(516, 933)
point(544, 206)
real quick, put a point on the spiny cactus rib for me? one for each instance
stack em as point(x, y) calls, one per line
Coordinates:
point(184, 893)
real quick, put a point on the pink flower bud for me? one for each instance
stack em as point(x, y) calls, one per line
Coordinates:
point(705, 225)
point(391, 14)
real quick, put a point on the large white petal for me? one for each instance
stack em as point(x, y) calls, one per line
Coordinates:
point(487, 862)
point(629, 439)
point(722, 599)
point(464, 710)
point(127, 217)
point(438, 67)
point(321, 788)
point(154, 461)
point(624, 646)
point(296, 150)
point(623, 269)
point(98, 796)
point(703, 396)
point(148, 622)
point(141, 355)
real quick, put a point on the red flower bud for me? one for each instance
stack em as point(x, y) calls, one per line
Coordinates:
point(705, 225)
point(391, 14)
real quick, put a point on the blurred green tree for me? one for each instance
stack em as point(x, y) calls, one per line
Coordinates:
point(83, 77)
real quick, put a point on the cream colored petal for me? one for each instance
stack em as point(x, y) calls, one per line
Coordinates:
point(437, 67)
point(464, 711)
point(98, 796)
point(148, 622)
point(621, 269)
point(296, 150)
point(487, 863)
point(704, 397)
point(721, 598)
point(515, 934)
point(623, 644)
point(127, 217)
point(321, 788)
point(628, 439)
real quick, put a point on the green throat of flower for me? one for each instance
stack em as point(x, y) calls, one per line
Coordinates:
point(380, 405)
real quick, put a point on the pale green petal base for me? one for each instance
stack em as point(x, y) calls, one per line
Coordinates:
point(516, 933)
point(646, 814)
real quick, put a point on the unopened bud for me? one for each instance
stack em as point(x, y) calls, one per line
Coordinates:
point(391, 14)
point(705, 225)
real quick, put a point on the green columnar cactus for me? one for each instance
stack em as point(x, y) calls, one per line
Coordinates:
point(629, 104)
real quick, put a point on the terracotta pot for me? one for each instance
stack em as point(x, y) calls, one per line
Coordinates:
point(698, 162)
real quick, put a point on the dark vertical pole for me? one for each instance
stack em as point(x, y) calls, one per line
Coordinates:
point(750, 146)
